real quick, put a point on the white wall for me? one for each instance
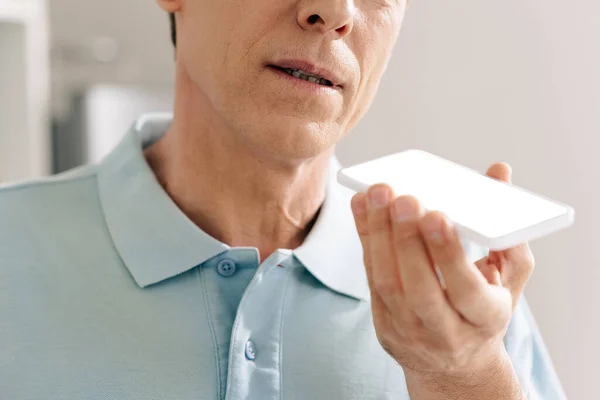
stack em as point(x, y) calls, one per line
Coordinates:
point(474, 81)
point(517, 81)
point(108, 41)
point(24, 144)
point(13, 103)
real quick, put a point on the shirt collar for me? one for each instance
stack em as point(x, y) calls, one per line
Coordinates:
point(157, 241)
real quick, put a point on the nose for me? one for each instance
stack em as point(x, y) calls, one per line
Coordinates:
point(328, 17)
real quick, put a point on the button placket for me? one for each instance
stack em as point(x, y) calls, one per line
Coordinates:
point(258, 322)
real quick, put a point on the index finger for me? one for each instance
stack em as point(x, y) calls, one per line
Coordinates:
point(359, 211)
point(422, 288)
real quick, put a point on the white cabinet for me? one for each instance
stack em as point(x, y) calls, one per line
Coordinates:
point(24, 85)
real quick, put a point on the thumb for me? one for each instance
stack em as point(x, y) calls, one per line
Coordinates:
point(489, 270)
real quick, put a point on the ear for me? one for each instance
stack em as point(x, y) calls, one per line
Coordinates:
point(170, 6)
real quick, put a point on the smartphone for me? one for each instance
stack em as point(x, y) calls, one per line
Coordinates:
point(488, 212)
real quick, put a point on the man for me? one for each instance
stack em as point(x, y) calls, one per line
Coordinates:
point(212, 255)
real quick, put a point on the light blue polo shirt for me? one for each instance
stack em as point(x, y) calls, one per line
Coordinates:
point(108, 291)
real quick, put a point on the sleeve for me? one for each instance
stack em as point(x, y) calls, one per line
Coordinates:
point(526, 347)
point(530, 357)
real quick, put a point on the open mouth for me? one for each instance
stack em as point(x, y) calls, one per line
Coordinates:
point(305, 76)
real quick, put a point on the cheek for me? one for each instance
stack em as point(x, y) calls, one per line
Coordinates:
point(373, 48)
point(243, 44)
point(197, 47)
point(215, 35)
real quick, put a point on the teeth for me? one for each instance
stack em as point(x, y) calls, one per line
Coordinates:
point(298, 73)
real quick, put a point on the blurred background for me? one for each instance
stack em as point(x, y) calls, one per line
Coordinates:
point(473, 81)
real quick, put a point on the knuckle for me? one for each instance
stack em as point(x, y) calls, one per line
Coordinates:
point(363, 230)
point(379, 219)
point(450, 256)
point(431, 217)
point(385, 343)
point(358, 204)
point(530, 259)
point(385, 286)
point(422, 301)
point(412, 300)
point(406, 236)
point(429, 309)
point(522, 266)
point(384, 334)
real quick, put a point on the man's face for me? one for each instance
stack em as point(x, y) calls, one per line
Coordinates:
point(243, 56)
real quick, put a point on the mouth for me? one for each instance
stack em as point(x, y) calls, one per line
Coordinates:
point(304, 75)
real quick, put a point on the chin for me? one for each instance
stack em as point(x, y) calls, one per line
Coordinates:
point(293, 139)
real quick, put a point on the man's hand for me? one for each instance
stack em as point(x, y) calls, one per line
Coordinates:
point(448, 339)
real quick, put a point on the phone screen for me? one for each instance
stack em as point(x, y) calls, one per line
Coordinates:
point(487, 206)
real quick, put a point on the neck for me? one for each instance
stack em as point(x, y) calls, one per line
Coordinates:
point(232, 191)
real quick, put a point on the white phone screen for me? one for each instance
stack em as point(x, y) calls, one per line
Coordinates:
point(473, 200)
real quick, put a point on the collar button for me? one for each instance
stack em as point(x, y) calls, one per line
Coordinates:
point(226, 267)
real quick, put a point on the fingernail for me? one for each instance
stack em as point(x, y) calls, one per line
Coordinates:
point(379, 197)
point(435, 236)
point(405, 209)
point(438, 230)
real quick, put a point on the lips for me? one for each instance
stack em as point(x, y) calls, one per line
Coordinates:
point(322, 75)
